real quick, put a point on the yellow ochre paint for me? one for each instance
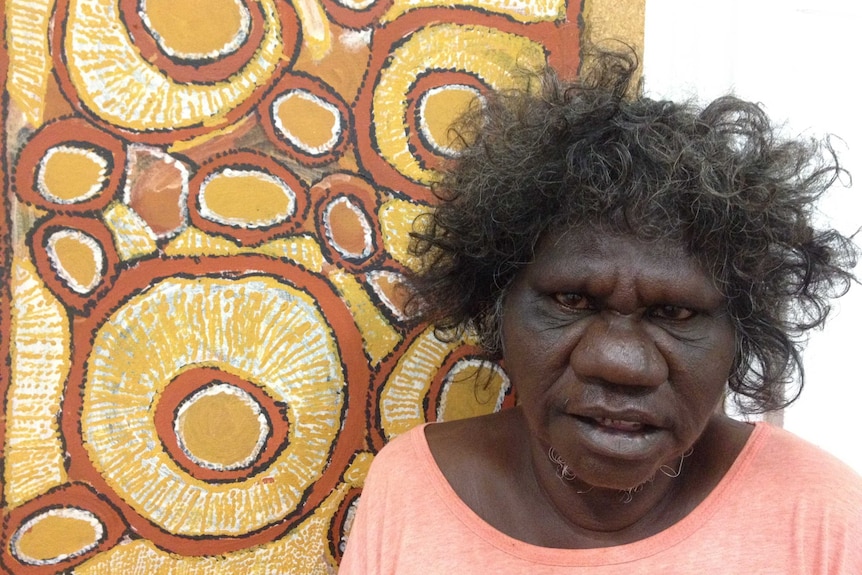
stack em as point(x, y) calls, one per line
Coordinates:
point(54, 536)
point(247, 199)
point(195, 26)
point(220, 428)
point(71, 175)
point(306, 120)
point(441, 109)
point(77, 259)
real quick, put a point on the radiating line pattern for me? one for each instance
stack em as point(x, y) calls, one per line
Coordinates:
point(210, 206)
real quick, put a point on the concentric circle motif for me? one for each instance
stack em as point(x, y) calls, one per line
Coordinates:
point(228, 25)
point(346, 218)
point(248, 197)
point(219, 427)
point(228, 33)
point(432, 380)
point(248, 424)
point(151, 80)
point(69, 166)
point(76, 258)
point(296, 104)
point(437, 109)
point(222, 193)
point(58, 530)
point(214, 406)
point(418, 90)
point(359, 246)
point(435, 102)
point(307, 119)
point(211, 321)
point(53, 180)
point(28, 542)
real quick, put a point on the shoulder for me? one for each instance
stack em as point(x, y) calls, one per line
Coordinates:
point(819, 496)
point(393, 497)
point(400, 457)
point(792, 459)
point(804, 481)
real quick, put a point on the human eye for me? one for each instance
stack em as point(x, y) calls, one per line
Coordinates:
point(672, 313)
point(573, 301)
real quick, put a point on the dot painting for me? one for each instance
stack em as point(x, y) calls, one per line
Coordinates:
point(207, 209)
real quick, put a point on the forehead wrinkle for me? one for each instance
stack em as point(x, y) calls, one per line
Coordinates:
point(605, 265)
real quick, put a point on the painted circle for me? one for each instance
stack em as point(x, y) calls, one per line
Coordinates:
point(56, 535)
point(77, 258)
point(263, 331)
point(70, 174)
point(348, 229)
point(126, 82)
point(307, 121)
point(438, 109)
point(215, 467)
point(480, 54)
point(69, 166)
point(346, 219)
point(224, 26)
point(221, 427)
point(246, 198)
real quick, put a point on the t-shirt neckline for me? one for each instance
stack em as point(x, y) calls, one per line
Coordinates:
point(618, 554)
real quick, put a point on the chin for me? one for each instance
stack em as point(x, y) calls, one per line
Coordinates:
point(627, 480)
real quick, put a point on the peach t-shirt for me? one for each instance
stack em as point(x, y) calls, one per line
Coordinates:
point(784, 507)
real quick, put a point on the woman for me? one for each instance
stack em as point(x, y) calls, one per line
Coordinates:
point(631, 262)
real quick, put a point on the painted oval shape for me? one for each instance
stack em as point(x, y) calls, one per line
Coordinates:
point(308, 122)
point(348, 229)
point(438, 109)
point(246, 198)
point(55, 535)
point(461, 397)
point(77, 258)
point(356, 4)
point(197, 29)
point(221, 427)
point(69, 174)
point(392, 290)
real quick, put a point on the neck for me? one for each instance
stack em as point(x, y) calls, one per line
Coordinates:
point(606, 516)
point(598, 510)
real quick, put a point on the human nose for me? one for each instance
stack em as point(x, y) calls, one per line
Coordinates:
point(615, 349)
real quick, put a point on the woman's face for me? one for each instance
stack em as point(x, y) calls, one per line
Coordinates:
point(619, 349)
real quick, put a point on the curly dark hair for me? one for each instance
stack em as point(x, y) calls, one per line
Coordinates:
point(559, 155)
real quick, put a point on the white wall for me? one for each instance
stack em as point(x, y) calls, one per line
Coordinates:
point(801, 60)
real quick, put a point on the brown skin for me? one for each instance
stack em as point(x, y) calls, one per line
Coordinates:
point(620, 351)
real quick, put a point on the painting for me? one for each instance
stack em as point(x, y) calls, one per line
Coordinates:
point(206, 216)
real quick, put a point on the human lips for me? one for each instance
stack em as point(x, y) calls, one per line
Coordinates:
point(623, 418)
point(619, 424)
point(627, 434)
